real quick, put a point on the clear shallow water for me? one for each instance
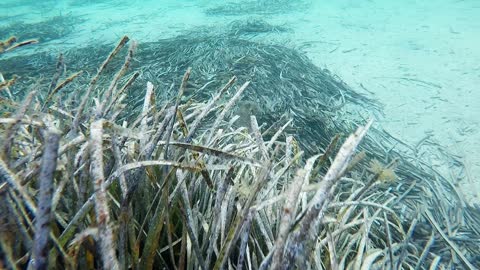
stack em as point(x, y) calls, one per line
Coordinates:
point(420, 59)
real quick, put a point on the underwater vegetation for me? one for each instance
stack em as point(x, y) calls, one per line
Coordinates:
point(47, 30)
point(117, 167)
point(263, 7)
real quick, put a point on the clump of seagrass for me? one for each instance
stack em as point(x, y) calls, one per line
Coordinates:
point(263, 7)
point(177, 184)
point(8, 45)
point(285, 84)
point(53, 28)
point(253, 27)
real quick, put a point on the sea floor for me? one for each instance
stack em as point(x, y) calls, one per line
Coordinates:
point(421, 59)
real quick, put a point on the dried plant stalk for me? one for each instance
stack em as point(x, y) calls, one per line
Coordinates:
point(148, 103)
point(105, 235)
point(233, 233)
point(83, 103)
point(60, 68)
point(21, 44)
point(181, 90)
point(226, 109)
point(315, 210)
point(258, 137)
point(189, 222)
point(60, 86)
point(8, 176)
point(207, 109)
point(289, 210)
point(244, 240)
point(44, 215)
point(11, 130)
point(119, 93)
point(113, 84)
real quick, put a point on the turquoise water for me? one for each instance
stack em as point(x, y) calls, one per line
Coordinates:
point(419, 60)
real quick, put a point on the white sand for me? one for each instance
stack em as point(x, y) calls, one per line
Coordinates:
point(421, 59)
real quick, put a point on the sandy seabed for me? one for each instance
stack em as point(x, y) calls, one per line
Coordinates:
point(421, 59)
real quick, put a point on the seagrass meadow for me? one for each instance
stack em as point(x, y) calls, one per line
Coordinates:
point(212, 152)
